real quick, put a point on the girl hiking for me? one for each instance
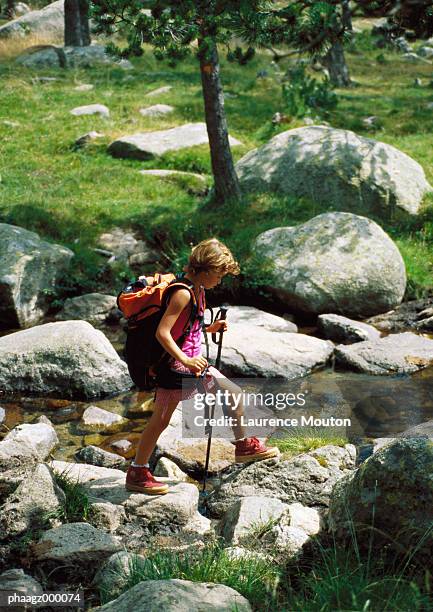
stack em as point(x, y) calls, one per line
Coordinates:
point(208, 263)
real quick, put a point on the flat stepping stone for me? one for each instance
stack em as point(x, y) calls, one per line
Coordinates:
point(147, 145)
point(156, 110)
point(173, 173)
point(396, 354)
point(91, 109)
point(159, 91)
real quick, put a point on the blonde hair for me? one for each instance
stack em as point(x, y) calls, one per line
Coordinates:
point(212, 255)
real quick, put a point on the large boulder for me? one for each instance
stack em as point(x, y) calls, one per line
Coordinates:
point(257, 343)
point(27, 507)
point(395, 354)
point(388, 499)
point(147, 145)
point(68, 359)
point(336, 262)
point(66, 57)
point(48, 22)
point(248, 513)
point(307, 479)
point(95, 308)
point(338, 168)
point(178, 596)
point(30, 268)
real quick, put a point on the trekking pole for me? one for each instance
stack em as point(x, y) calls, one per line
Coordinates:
point(221, 315)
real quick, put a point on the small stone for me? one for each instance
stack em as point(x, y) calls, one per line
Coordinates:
point(98, 420)
point(91, 109)
point(125, 64)
point(169, 469)
point(157, 110)
point(84, 87)
point(86, 138)
point(121, 445)
point(159, 91)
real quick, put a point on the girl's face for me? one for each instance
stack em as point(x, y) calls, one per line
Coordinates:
point(211, 279)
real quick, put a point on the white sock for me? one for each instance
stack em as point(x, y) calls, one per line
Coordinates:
point(146, 465)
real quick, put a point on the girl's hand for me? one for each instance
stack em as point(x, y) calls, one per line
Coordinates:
point(195, 364)
point(217, 326)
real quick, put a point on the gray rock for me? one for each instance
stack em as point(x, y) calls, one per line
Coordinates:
point(39, 438)
point(106, 516)
point(413, 58)
point(21, 8)
point(65, 57)
point(175, 509)
point(125, 64)
point(86, 138)
point(91, 109)
point(425, 51)
point(26, 508)
point(335, 166)
point(70, 359)
point(79, 545)
point(157, 110)
point(97, 456)
point(92, 307)
point(147, 145)
point(84, 87)
point(425, 324)
point(303, 479)
point(341, 329)
point(30, 269)
point(124, 245)
point(395, 354)
point(113, 576)
point(2, 414)
point(259, 318)
point(97, 419)
point(422, 430)
point(336, 262)
point(161, 90)
point(47, 22)
point(247, 513)
point(16, 580)
point(173, 173)
point(273, 351)
point(167, 468)
point(392, 493)
point(178, 596)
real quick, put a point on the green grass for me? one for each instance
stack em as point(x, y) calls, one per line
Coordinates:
point(340, 580)
point(76, 507)
point(72, 196)
point(254, 578)
point(303, 440)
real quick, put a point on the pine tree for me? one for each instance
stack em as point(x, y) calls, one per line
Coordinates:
point(171, 26)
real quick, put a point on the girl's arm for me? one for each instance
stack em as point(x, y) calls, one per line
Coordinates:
point(178, 301)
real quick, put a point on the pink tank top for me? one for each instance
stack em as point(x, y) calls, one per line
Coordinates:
point(191, 345)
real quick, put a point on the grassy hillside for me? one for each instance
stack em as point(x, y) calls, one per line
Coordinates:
point(72, 196)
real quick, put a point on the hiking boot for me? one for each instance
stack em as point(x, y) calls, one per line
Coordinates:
point(141, 479)
point(251, 449)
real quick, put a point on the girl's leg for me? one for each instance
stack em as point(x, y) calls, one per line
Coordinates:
point(157, 423)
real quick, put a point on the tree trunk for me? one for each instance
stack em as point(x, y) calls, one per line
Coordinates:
point(10, 9)
point(76, 23)
point(226, 182)
point(335, 62)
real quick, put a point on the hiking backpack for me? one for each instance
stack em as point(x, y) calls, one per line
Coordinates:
point(143, 303)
